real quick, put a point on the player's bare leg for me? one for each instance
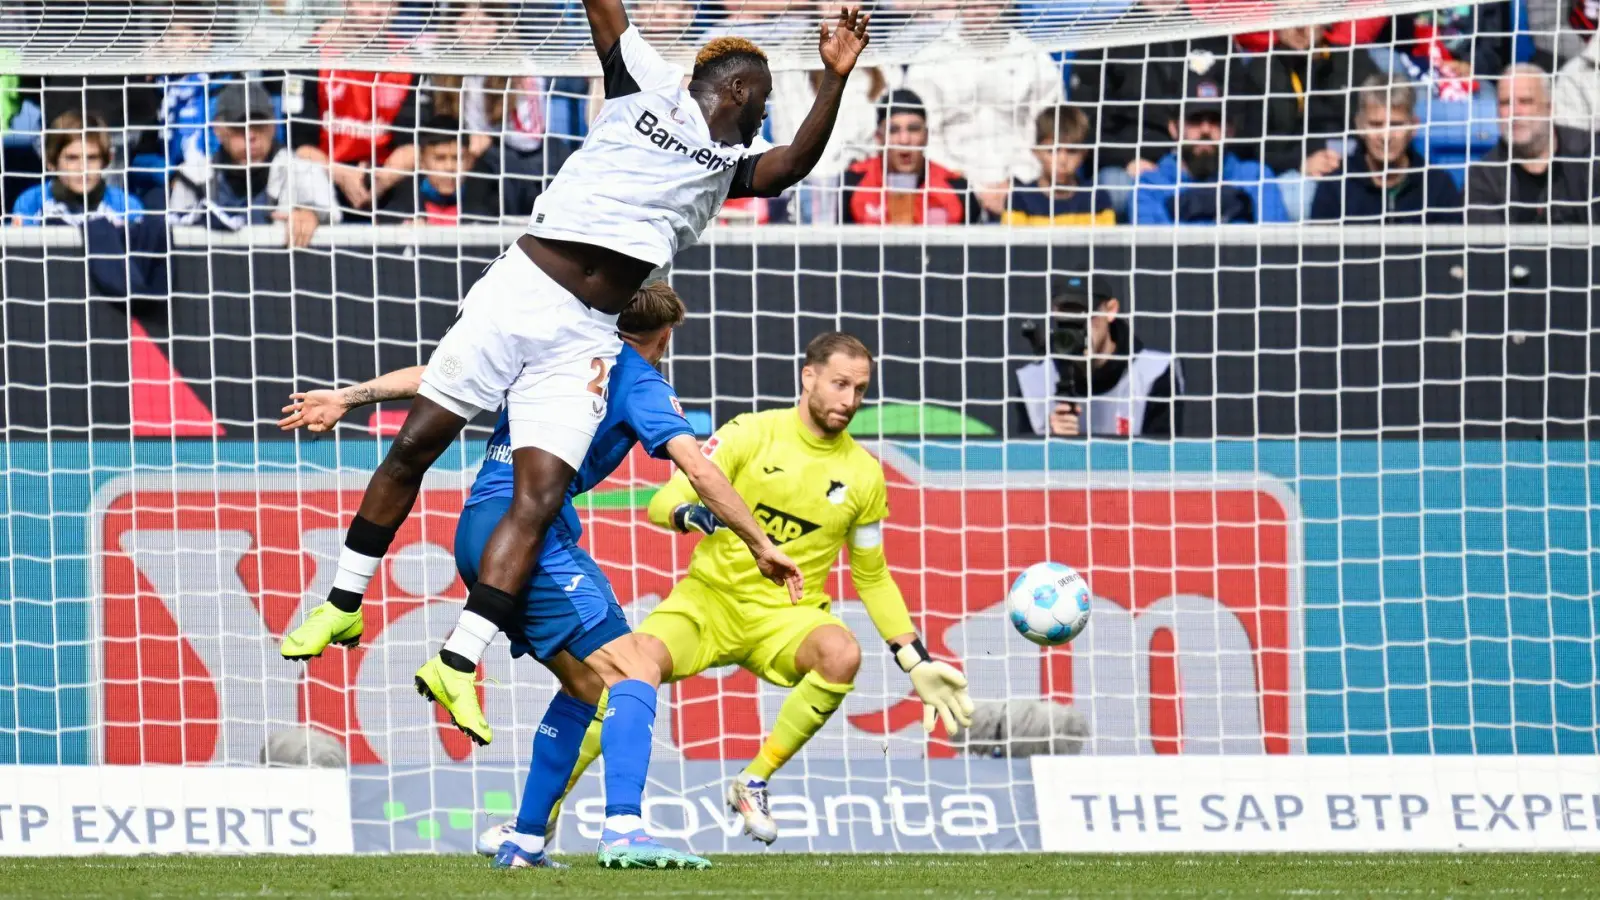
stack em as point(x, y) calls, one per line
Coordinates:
point(428, 430)
point(827, 661)
point(540, 480)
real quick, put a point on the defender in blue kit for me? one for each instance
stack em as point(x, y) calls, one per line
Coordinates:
point(571, 621)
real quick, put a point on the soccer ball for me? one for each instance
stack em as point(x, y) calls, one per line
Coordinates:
point(490, 839)
point(1049, 604)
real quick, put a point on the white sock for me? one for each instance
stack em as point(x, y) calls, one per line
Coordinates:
point(355, 571)
point(471, 637)
point(531, 843)
point(624, 824)
point(747, 778)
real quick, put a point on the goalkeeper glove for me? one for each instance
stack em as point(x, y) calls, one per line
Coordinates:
point(694, 516)
point(942, 688)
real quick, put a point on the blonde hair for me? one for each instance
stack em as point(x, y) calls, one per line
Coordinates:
point(654, 307)
point(726, 50)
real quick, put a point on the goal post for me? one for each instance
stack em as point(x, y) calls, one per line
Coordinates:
point(1368, 543)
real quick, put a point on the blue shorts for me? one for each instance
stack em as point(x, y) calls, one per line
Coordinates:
point(568, 605)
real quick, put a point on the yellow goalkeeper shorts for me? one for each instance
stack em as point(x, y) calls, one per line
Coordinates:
point(704, 628)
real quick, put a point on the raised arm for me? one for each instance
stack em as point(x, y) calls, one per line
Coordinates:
point(779, 168)
point(607, 21)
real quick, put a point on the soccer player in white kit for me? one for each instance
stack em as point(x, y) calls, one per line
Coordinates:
point(538, 330)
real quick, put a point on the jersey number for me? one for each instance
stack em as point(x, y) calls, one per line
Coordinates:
point(599, 385)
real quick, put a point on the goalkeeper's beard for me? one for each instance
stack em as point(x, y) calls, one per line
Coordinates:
point(818, 410)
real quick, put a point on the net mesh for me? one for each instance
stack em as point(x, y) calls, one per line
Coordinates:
point(1371, 531)
point(552, 38)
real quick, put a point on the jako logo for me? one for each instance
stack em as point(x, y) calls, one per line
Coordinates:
point(908, 815)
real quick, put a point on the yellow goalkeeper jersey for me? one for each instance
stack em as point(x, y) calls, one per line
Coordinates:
point(812, 497)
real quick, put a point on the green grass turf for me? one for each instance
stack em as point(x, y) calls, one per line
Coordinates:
point(810, 877)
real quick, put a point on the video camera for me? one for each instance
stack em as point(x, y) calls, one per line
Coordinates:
point(1064, 336)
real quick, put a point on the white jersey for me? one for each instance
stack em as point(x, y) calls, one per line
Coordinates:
point(649, 177)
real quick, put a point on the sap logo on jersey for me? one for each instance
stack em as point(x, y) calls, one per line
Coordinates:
point(782, 527)
point(649, 125)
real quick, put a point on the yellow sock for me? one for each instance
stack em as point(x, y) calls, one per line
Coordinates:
point(807, 708)
point(586, 755)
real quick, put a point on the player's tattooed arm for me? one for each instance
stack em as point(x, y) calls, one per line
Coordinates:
point(723, 502)
point(318, 411)
point(781, 167)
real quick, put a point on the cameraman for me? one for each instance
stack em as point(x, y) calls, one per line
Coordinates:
point(1096, 378)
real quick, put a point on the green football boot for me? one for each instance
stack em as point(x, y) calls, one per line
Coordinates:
point(457, 692)
point(638, 850)
point(326, 625)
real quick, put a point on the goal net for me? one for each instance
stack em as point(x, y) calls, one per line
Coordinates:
point(1332, 489)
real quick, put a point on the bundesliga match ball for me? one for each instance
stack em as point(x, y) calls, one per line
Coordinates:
point(1049, 604)
point(490, 839)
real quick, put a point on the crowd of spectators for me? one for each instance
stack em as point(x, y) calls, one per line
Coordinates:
point(1481, 113)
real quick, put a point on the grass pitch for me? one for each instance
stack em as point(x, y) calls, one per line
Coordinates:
point(812, 877)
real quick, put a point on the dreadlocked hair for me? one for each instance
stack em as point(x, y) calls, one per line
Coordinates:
point(725, 55)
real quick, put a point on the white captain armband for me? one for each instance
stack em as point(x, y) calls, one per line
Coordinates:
point(866, 537)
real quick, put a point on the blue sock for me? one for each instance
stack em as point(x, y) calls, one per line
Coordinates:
point(625, 745)
point(555, 753)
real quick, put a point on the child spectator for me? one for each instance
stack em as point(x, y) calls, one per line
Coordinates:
point(77, 149)
point(900, 185)
point(438, 194)
point(1058, 196)
point(1200, 183)
point(252, 178)
point(1384, 180)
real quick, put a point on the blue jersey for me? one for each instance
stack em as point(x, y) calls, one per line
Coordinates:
point(641, 409)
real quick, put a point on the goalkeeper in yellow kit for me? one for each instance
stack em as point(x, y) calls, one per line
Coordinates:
point(814, 490)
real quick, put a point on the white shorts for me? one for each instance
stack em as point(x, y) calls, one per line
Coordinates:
point(522, 340)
